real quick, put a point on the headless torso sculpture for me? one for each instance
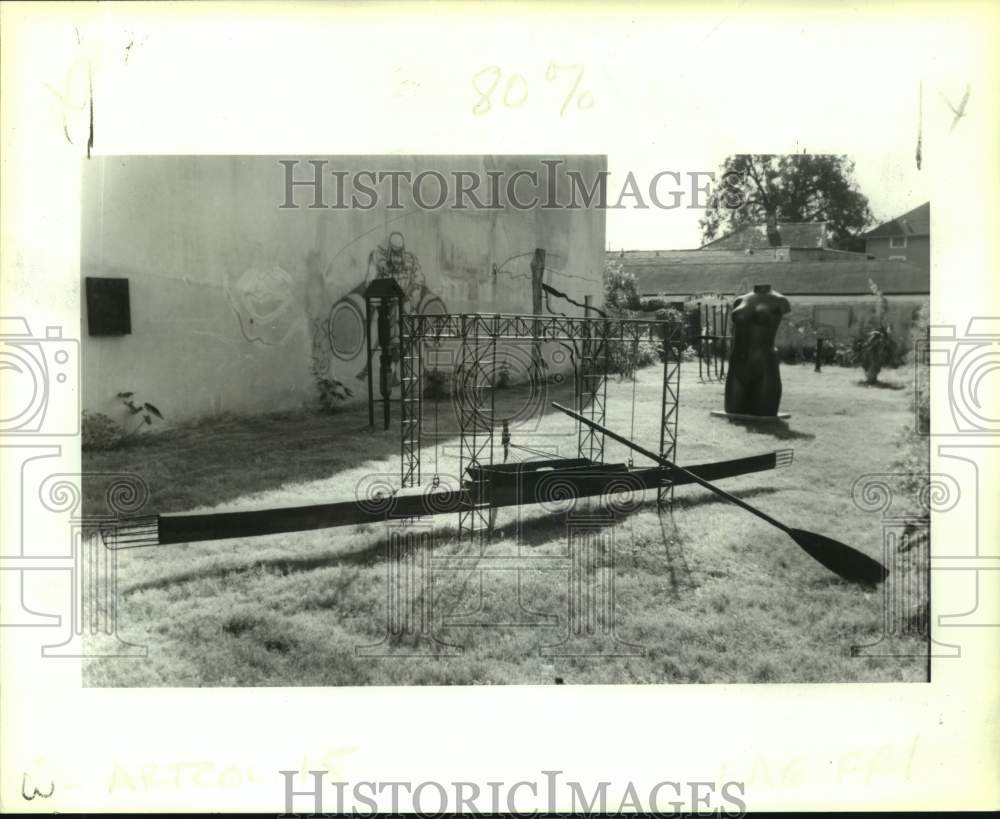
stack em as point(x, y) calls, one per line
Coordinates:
point(753, 383)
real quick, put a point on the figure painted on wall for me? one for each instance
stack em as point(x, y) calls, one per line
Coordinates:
point(393, 260)
point(753, 383)
point(340, 334)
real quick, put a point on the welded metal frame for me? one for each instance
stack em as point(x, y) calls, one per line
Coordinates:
point(479, 334)
point(592, 390)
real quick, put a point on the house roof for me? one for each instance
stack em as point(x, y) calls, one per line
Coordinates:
point(727, 256)
point(791, 234)
point(916, 222)
point(813, 278)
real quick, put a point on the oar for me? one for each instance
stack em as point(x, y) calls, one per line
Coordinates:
point(838, 557)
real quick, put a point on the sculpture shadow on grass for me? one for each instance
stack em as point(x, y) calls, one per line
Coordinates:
point(773, 429)
point(534, 531)
point(882, 385)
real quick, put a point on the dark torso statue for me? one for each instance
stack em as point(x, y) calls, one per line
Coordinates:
point(753, 383)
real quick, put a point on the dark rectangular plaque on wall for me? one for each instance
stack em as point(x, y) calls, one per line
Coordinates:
point(108, 312)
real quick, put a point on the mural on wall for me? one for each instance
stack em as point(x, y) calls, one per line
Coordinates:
point(340, 333)
point(264, 302)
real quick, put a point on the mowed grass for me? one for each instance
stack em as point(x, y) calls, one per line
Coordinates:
point(702, 593)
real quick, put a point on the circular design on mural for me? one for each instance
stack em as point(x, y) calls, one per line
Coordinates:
point(347, 330)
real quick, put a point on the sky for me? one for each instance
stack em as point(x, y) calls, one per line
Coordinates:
point(892, 184)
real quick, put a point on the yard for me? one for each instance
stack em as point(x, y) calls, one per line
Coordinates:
point(705, 593)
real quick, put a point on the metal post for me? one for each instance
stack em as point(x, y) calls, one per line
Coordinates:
point(725, 338)
point(714, 360)
point(385, 353)
point(668, 415)
point(702, 332)
point(368, 345)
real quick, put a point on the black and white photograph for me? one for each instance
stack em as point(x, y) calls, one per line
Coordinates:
point(417, 420)
point(448, 407)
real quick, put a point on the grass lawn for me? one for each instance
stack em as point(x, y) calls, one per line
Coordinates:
point(704, 593)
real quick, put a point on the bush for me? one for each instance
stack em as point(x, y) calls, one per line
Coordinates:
point(676, 329)
point(99, 432)
point(843, 355)
point(619, 288)
point(874, 346)
point(331, 392)
point(874, 351)
point(653, 304)
point(625, 357)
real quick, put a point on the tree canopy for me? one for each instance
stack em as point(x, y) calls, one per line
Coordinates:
point(788, 188)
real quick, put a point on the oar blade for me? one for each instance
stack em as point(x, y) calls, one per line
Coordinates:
point(840, 558)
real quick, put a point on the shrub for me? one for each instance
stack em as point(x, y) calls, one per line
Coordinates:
point(619, 288)
point(676, 329)
point(843, 355)
point(874, 346)
point(99, 432)
point(625, 357)
point(653, 304)
point(873, 351)
point(332, 393)
point(648, 352)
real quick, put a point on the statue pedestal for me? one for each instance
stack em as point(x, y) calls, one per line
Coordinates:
point(739, 416)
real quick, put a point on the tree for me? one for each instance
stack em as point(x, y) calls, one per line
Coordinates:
point(620, 293)
point(768, 188)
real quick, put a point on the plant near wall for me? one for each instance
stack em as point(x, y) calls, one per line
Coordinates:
point(676, 329)
point(331, 392)
point(142, 412)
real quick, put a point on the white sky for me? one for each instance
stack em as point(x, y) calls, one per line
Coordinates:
point(892, 184)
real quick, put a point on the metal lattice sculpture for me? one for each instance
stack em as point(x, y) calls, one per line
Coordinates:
point(709, 334)
point(479, 334)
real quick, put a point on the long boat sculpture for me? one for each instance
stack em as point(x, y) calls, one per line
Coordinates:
point(493, 486)
point(513, 484)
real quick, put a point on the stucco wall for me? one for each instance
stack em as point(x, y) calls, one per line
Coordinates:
point(233, 299)
point(839, 318)
point(843, 317)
